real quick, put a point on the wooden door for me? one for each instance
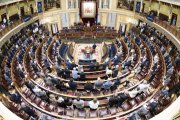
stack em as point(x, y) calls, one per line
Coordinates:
point(22, 11)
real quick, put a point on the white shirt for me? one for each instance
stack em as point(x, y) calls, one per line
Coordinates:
point(108, 71)
point(60, 100)
point(75, 74)
point(4, 20)
point(156, 58)
point(133, 93)
point(39, 92)
point(93, 105)
point(143, 87)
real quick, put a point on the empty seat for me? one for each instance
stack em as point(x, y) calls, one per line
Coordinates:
point(81, 113)
point(125, 106)
point(69, 112)
point(103, 112)
point(93, 113)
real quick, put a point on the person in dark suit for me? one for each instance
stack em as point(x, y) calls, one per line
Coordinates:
point(115, 71)
point(82, 76)
point(66, 73)
point(72, 85)
point(61, 86)
point(88, 87)
point(69, 65)
point(121, 98)
point(29, 84)
point(94, 46)
point(59, 71)
point(152, 105)
point(28, 110)
point(113, 101)
point(68, 102)
point(16, 97)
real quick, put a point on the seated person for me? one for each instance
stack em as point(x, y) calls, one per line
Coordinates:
point(62, 86)
point(59, 71)
point(66, 73)
point(98, 84)
point(78, 103)
point(48, 81)
point(75, 74)
point(143, 87)
point(115, 71)
point(132, 93)
point(113, 101)
point(28, 110)
point(60, 101)
point(122, 97)
point(143, 110)
point(40, 93)
point(88, 87)
point(107, 85)
point(93, 104)
point(108, 72)
point(15, 97)
point(94, 46)
point(152, 105)
point(29, 84)
point(72, 85)
point(165, 92)
point(68, 102)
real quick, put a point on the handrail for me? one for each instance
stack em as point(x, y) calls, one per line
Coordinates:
point(72, 118)
point(173, 37)
point(49, 49)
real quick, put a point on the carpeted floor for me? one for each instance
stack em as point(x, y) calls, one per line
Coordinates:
point(79, 55)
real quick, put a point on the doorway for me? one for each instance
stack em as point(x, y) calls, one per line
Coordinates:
point(32, 10)
point(3, 16)
point(22, 11)
point(122, 28)
point(174, 19)
point(54, 28)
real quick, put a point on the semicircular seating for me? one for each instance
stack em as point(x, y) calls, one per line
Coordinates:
point(42, 74)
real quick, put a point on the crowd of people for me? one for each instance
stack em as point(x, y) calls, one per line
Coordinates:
point(75, 73)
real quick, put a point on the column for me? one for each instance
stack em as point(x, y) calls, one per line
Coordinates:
point(105, 4)
point(150, 5)
point(98, 18)
point(7, 14)
point(170, 13)
point(134, 9)
point(19, 12)
point(49, 27)
point(159, 4)
point(141, 7)
point(77, 17)
point(28, 7)
point(72, 4)
point(36, 3)
point(100, 2)
point(77, 4)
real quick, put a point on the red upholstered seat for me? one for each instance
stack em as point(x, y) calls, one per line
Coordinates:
point(125, 106)
point(59, 110)
point(81, 113)
point(93, 113)
point(132, 102)
point(113, 110)
point(37, 101)
point(139, 99)
point(103, 112)
point(24, 115)
point(32, 97)
point(50, 107)
point(43, 104)
point(69, 112)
